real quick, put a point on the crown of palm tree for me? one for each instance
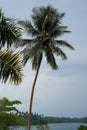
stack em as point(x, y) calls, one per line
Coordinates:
point(46, 26)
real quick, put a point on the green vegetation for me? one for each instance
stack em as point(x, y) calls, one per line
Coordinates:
point(10, 67)
point(65, 120)
point(43, 127)
point(7, 113)
point(36, 119)
point(9, 31)
point(10, 116)
point(10, 64)
point(82, 128)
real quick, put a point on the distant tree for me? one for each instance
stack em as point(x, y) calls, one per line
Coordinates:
point(7, 116)
point(37, 119)
point(45, 28)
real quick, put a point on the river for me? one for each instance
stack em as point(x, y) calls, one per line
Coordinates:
point(56, 126)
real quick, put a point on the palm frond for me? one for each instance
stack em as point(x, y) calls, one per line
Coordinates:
point(44, 23)
point(59, 52)
point(31, 52)
point(30, 29)
point(50, 58)
point(64, 43)
point(23, 42)
point(61, 15)
point(10, 67)
point(25, 54)
point(9, 31)
point(35, 60)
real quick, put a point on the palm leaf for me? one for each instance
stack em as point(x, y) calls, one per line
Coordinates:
point(30, 29)
point(35, 60)
point(23, 42)
point(10, 67)
point(32, 53)
point(64, 43)
point(50, 58)
point(9, 31)
point(59, 52)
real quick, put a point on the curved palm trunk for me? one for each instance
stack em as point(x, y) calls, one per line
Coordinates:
point(32, 94)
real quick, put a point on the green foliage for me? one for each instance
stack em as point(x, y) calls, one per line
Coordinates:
point(3, 127)
point(82, 128)
point(7, 115)
point(84, 120)
point(21, 121)
point(9, 31)
point(51, 119)
point(10, 67)
point(7, 106)
point(37, 119)
point(43, 127)
point(10, 64)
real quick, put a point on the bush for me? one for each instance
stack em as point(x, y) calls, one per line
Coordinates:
point(82, 127)
point(43, 127)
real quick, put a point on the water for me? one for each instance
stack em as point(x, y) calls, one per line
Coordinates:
point(65, 126)
point(56, 126)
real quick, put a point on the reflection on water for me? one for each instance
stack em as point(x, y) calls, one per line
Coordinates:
point(22, 128)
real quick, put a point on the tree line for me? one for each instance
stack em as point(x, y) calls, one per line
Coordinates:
point(10, 116)
point(65, 120)
point(41, 119)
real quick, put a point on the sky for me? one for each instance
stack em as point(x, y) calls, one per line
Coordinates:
point(61, 93)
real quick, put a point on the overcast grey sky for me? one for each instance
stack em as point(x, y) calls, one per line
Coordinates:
point(62, 92)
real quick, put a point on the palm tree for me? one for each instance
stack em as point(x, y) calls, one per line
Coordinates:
point(45, 29)
point(10, 64)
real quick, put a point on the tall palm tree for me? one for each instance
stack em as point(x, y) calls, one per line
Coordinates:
point(46, 27)
point(10, 64)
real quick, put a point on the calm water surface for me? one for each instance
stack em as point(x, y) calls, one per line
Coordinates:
point(57, 126)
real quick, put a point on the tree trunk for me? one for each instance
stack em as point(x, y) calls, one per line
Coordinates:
point(32, 94)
